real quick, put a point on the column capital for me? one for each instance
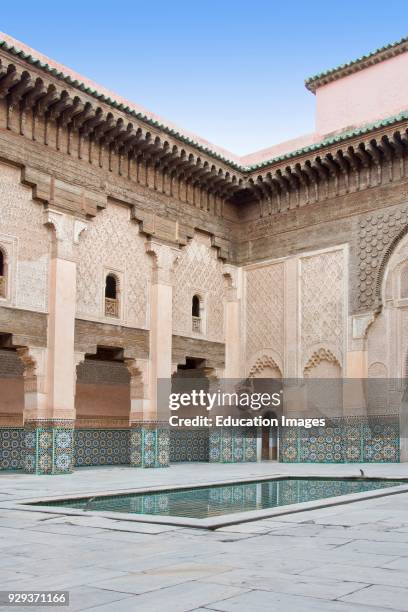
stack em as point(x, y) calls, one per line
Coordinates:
point(67, 231)
point(139, 372)
point(34, 360)
point(164, 260)
point(230, 274)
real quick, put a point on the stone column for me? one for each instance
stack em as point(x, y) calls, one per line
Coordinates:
point(150, 440)
point(354, 396)
point(139, 405)
point(233, 329)
point(231, 444)
point(50, 423)
point(291, 367)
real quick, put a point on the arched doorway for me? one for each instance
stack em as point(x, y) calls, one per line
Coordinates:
point(102, 403)
point(387, 348)
point(189, 443)
point(11, 409)
point(270, 437)
point(266, 377)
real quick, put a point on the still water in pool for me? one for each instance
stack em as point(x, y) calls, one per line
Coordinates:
point(227, 499)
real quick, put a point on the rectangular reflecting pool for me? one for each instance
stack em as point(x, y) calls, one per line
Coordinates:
point(217, 500)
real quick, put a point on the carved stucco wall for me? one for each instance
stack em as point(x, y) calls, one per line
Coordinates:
point(112, 243)
point(199, 271)
point(26, 241)
point(322, 298)
point(377, 342)
point(387, 337)
point(374, 236)
point(320, 314)
point(265, 312)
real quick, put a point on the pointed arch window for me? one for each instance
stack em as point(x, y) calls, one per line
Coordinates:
point(196, 313)
point(111, 295)
point(3, 273)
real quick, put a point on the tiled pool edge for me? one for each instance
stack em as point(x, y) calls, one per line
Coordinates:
point(208, 523)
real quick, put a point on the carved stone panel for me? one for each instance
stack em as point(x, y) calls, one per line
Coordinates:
point(375, 236)
point(322, 294)
point(199, 271)
point(22, 222)
point(264, 309)
point(112, 243)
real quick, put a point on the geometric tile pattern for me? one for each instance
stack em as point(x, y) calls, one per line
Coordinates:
point(101, 447)
point(149, 445)
point(233, 445)
point(344, 440)
point(189, 444)
point(55, 449)
point(11, 445)
point(238, 497)
point(48, 447)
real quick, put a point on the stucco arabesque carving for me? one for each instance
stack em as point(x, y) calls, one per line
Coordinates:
point(323, 308)
point(266, 361)
point(164, 260)
point(34, 362)
point(360, 325)
point(377, 234)
point(138, 371)
point(230, 274)
point(67, 231)
point(317, 357)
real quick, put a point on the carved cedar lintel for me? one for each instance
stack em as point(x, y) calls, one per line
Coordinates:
point(62, 195)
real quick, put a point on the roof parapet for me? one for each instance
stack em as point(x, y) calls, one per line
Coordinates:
point(374, 57)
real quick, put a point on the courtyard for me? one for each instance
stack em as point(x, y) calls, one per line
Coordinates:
point(142, 267)
point(348, 557)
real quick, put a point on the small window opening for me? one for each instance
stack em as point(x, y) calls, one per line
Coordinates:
point(2, 274)
point(195, 311)
point(196, 306)
point(111, 296)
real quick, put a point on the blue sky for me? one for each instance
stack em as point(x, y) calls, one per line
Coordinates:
point(231, 71)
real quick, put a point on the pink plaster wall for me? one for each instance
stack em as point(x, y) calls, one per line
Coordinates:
point(363, 97)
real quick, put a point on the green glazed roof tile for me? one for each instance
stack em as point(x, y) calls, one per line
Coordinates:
point(332, 139)
point(205, 149)
point(311, 82)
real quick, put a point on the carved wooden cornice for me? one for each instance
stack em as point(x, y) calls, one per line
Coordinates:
point(26, 89)
point(359, 163)
point(36, 97)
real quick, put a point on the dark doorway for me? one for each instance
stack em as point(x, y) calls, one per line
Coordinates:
point(269, 440)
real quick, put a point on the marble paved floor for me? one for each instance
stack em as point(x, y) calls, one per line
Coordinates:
point(344, 558)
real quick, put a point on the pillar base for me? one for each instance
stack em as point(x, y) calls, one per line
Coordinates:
point(150, 444)
point(48, 447)
point(232, 445)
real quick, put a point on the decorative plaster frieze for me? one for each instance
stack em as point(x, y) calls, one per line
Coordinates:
point(67, 231)
point(164, 260)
